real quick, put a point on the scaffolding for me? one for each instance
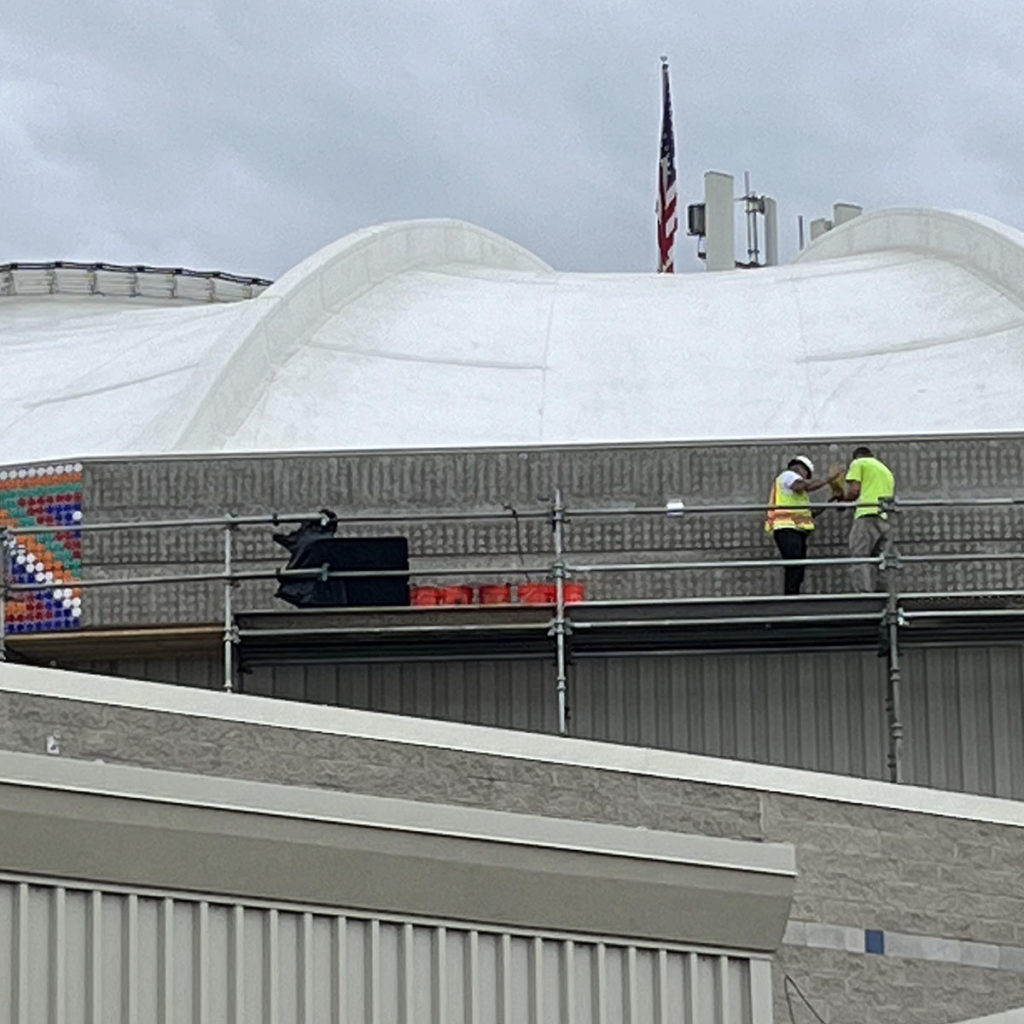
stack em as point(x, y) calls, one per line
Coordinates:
point(888, 611)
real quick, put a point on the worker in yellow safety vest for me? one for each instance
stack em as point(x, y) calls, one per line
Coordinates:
point(868, 482)
point(790, 518)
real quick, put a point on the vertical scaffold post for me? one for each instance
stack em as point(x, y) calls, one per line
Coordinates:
point(558, 626)
point(5, 559)
point(893, 621)
point(229, 611)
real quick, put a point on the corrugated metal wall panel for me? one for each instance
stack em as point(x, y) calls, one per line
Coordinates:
point(963, 709)
point(823, 712)
point(819, 711)
point(508, 694)
point(201, 671)
point(81, 955)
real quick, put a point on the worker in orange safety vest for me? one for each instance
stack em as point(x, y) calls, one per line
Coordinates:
point(790, 518)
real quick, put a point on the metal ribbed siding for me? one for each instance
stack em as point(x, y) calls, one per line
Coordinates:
point(963, 711)
point(809, 710)
point(75, 955)
point(818, 711)
point(509, 694)
point(185, 670)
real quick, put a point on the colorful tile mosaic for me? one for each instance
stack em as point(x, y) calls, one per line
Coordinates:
point(43, 496)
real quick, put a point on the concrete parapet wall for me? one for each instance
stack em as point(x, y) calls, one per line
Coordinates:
point(486, 480)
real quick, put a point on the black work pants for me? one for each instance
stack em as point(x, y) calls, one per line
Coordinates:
point(792, 544)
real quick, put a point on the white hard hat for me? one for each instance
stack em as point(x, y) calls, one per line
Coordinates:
point(804, 461)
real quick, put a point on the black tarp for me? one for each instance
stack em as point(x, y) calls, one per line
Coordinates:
point(313, 546)
point(304, 546)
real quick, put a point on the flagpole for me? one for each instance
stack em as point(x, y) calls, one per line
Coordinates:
point(667, 199)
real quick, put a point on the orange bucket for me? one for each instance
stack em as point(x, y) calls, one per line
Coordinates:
point(495, 593)
point(424, 595)
point(537, 593)
point(460, 594)
point(572, 592)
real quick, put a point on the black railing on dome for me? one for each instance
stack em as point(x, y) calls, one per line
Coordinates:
point(132, 268)
point(562, 567)
point(136, 273)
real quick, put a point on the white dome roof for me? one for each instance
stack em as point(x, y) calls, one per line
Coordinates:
point(434, 333)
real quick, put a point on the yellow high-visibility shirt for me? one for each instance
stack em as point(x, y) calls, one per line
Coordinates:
point(876, 482)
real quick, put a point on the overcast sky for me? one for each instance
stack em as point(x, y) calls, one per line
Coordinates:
point(244, 136)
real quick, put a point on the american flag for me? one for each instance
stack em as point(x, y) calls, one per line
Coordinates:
point(666, 208)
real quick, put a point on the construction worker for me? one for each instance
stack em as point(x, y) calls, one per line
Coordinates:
point(791, 520)
point(868, 480)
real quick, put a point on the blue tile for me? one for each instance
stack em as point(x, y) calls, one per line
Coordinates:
point(874, 941)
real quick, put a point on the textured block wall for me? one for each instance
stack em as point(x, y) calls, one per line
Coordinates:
point(940, 899)
point(486, 480)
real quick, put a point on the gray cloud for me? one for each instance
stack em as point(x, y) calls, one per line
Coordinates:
point(245, 136)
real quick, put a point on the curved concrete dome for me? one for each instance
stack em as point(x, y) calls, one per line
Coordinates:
point(433, 333)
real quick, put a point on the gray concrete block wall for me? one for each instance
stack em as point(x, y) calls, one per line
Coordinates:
point(437, 775)
point(851, 988)
point(486, 480)
point(955, 886)
point(871, 867)
point(950, 890)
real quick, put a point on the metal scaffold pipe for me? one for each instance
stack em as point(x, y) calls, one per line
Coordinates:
point(708, 564)
point(687, 511)
point(277, 519)
point(893, 702)
point(891, 570)
point(726, 620)
point(457, 627)
point(4, 562)
point(230, 638)
point(559, 625)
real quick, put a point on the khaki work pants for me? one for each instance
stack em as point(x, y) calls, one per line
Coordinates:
point(867, 535)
